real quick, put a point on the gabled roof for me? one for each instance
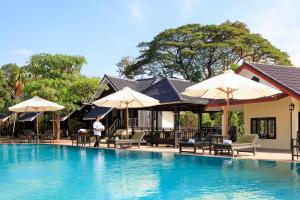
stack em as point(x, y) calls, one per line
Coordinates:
point(3, 118)
point(285, 78)
point(96, 111)
point(28, 117)
point(166, 90)
point(120, 83)
point(64, 117)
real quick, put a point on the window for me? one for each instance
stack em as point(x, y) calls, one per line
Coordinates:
point(264, 127)
point(254, 78)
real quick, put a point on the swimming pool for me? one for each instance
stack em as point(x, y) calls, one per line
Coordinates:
point(65, 172)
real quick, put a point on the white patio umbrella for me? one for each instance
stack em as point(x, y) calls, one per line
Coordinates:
point(36, 104)
point(230, 86)
point(126, 98)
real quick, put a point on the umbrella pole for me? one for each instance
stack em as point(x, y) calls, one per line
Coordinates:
point(37, 127)
point(227, 114)
point(14, 126)
point(126, 119)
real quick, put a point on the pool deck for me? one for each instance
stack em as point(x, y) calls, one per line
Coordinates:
point(261, 154)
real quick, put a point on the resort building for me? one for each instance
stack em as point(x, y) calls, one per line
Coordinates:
point(165, 116)
point(275, 118)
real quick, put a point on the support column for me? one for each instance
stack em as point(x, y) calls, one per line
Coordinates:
point(176, 118)
point(132, 122)
point(58, 125)
point(294, 118)
point(53, 124)
point(223, 121)
point(156, 121)
point(200, 124)
point(152, 121)
point(176, 125)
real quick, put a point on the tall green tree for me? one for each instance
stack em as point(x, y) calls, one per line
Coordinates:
point(197, 52)
point(10, 71)
point(125, 67)
point(57, 78)
point(5, 95)
point(54, 65)
point(69, 92)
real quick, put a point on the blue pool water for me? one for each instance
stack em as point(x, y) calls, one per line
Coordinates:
point(62, 172)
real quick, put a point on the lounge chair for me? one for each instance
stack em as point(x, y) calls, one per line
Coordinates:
point(137, 138)
point(206, 143)
point(246, 141)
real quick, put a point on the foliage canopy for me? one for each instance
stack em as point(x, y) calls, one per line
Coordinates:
point(197, 52)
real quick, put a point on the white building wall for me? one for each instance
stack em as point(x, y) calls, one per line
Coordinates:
point(278, 109)
point(167, 119)
point(248, 74)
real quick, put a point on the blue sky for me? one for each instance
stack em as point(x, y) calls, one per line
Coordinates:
point(105, 30)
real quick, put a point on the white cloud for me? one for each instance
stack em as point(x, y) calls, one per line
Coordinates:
point(279, 23)
point(23, 52)
point(135, 11)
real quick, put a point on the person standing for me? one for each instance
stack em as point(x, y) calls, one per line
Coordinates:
point(98, 127)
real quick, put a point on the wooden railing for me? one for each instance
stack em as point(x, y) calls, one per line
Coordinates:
point(133, 122)
point(113, 128)
point(169, 136)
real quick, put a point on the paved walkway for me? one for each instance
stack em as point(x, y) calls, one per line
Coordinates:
point(260, 154)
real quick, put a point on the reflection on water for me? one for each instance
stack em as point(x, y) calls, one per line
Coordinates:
point(60, 172)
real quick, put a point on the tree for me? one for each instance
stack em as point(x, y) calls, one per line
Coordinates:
point(10, 71)
point(188, 120)
point(4, 91)
point(197, 52)
point(125, 67)
point(54, 66)
point(20, 78)
point(69, 92)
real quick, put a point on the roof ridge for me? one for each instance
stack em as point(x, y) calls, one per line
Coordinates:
point(272, 79)
point(179, 79)
point(276, 65)
point(144, 79)
point(174, 88)
point(114, 76)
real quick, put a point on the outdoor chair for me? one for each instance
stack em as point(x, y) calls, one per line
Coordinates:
point(243, 143)
point(48, 135)
point(232, 133)
point(136, 138)
point(28, 135)
point(83, 137)
point(204, 144)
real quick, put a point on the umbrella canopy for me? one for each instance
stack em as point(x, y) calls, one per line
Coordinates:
point(230, 85)
point(36, 104)
point(126, 98)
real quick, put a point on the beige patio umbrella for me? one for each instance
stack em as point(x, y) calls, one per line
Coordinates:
point(230, 86)
point(124, 99)
point(36, 104)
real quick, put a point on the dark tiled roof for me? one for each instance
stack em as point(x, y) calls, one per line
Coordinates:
point(64, 116)
point(120, 83)
point(181, 85)
point(285, 76)
point(96, 111)
point(143, 84)
point(4, 117)
point(163, 91)
point(27, 117)
point(166, 90)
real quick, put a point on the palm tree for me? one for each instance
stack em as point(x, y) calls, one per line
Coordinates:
point(20, 80)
